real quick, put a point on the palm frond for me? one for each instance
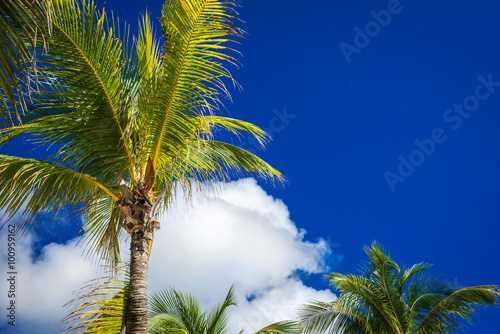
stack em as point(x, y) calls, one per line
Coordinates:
point(209, 125)
point(215, 160)
point(320, 317)
point(148, 54)
point(174, 311)
point(424, 292)
point(281, 327)
point(408, 273)
point(446, 312)
point(84, 99)
point(210, 161)
point(197, 35)
point(20, 23)
point(180, 313)
point(101, 305)
point(217, 317)
point(29, 186)
point(101, 223)
point(361, 295)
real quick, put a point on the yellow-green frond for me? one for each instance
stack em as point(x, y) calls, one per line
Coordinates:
point(30, 186)
point(101, 223)
point(210, 125)
point(212, 160)
point(20, 23)
point(197, 35)
point(281, 327)
point(101, 305)
point(85, 80)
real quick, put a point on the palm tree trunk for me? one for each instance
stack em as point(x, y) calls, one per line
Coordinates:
point(137, 319)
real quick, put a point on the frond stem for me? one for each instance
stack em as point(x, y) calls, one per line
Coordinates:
point(108, 98)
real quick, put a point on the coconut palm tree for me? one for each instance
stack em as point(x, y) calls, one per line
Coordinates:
point(102, 308)
point(172, 311)
point(20, 22)
point(128, 124)
point(388, 298)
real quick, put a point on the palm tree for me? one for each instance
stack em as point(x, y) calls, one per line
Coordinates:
point(104, 311)
point(176, 312)
point(20, 22)
point(128, 125)
point(388, 298)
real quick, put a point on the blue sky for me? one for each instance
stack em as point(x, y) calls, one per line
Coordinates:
point(363, 95)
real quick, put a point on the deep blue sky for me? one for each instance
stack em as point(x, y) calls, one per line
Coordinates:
point(354, 116)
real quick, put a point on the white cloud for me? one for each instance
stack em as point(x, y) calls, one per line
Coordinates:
point(242, 236)
point(278, 303)
point(44, 284)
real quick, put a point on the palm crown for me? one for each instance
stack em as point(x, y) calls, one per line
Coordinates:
point(388, 298)
point(141, 117)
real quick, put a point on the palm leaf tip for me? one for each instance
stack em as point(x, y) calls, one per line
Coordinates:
point(282, 327)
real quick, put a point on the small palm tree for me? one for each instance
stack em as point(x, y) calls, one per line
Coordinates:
point(174, 312)
point(387, 298)
point(104, 311)
point(128, 123)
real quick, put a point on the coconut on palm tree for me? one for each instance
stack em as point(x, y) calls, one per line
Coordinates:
point(128, 123)
point(388, 298)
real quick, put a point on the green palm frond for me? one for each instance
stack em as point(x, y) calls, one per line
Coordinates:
point(362, 299)
point(321, 317)
point(37, 190)
point(83, 107)
point(317, 316)
point(83, 99)
point(218, 160)
point(424, 292)
point(149, 56)
point(281, 327)
point(101, 224)
point(385, 273)
point(388, 298)
point(174, 312)
point(408, 273)
point(447, 311)
point(21, 21)
point(30, 186)
point(204, 159)
point(177, 312)
point(101, 305)
point(197, 35)
point(218, 317)
point(209, 125)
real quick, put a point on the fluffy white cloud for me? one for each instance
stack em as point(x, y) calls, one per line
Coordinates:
point(43, 284)
point(243, 236)
point(277, 303)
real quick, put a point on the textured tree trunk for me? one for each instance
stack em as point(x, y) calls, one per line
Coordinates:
point(138, 212)
point(137, 319)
